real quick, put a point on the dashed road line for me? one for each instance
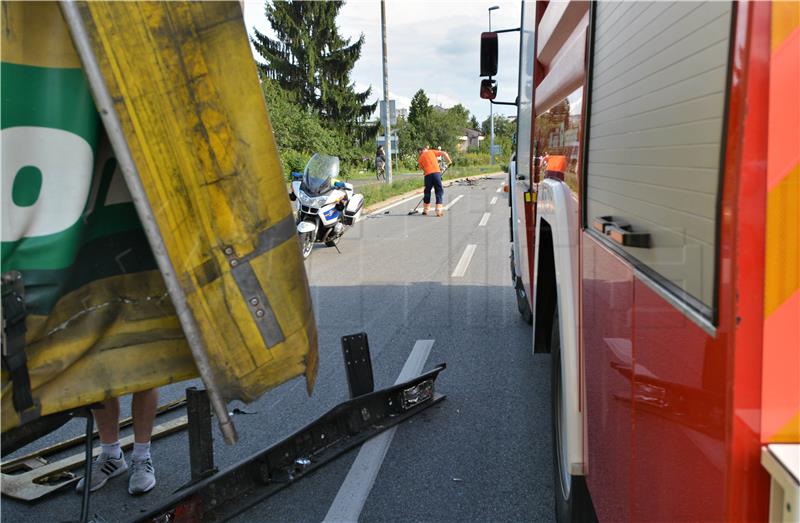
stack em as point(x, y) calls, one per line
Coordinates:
point(355, 489)
point(494, 201)
point(499, 189)
point(447, 207)
point(463, 263)
point(484, 219)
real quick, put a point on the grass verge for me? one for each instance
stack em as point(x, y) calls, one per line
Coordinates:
point(379, 192)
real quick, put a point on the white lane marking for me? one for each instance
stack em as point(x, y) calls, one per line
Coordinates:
point(355, 489)
point(463, 263)
point(395, 204)
point(494, 201)
point(499, 189)
point(484, 219)
point(447, 207)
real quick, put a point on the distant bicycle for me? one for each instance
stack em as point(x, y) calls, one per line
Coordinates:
point(380, 170)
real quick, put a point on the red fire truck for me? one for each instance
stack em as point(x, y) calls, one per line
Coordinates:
point(655, 210)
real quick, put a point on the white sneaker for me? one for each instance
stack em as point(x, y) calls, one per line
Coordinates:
point(142, 478)
point(104, 468)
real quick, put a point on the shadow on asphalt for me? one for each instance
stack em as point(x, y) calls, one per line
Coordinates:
point(492, 433)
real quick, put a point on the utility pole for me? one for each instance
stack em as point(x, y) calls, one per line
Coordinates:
point(491, 105)
point(387, 125)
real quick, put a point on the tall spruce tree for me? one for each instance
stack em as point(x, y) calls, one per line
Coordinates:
point(420, 110)
point(310, 59)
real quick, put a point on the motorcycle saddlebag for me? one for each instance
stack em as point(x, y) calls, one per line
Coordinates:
point(353, 209)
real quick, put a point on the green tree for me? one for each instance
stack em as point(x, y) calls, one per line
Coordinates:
point(504, 129)
point(473, 123)
point(299, 133)
point(445, 127)
point(431, 126)
point(310, 59)
point(420, 110)
point(503, 126)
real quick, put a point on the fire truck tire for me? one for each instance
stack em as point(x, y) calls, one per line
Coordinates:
point(572, 501)
point(523, 306)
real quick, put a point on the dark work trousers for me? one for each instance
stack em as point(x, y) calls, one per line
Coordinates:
point(433, 181)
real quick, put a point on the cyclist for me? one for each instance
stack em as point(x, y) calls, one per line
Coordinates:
point(380, 163)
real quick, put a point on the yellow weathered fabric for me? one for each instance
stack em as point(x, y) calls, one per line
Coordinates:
point(187, 94)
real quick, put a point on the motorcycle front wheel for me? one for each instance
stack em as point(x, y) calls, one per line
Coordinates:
point(306, 243)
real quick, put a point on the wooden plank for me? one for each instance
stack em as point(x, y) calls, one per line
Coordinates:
point(38, 458)
point(44, 480)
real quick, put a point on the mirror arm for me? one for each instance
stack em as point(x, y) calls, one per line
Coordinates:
point(504, 103)
point(507, 30)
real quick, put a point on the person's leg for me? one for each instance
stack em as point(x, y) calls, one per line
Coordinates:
point(110, 462)
point(107, 420)
point(426, 196)
point(143, 409)
point(437, 183)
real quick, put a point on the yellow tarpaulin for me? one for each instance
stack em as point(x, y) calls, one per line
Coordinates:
point(185, 90)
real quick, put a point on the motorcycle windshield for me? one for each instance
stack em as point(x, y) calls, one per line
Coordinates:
point(320, 171)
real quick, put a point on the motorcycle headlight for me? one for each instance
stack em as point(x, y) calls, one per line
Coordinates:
point(311, 201)
point(302, 197)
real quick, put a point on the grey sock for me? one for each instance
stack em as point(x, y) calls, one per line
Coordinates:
point(141, 451)
point(112, 450)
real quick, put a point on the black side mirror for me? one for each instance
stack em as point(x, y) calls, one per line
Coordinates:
point(488, 54)
point(488, 89)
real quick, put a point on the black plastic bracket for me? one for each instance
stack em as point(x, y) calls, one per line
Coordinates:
point(358, 364)
point(201, 443)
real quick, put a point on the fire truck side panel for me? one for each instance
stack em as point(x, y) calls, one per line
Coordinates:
point(694, 356)
point(692, 137)
point(780, 421)
point(742, 248)
point(679, 406)
point(608, 340)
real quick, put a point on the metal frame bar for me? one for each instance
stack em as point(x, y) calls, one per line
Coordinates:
point(347, 425)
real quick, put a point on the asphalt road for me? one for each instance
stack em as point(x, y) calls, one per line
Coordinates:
point(483, 454)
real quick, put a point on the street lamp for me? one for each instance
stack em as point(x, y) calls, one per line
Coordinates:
point(491, 107)
point(387, 125)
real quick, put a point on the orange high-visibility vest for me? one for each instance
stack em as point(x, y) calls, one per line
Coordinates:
point(429, 162)
point(556, 163)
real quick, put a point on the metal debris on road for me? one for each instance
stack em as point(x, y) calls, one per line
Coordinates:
point(238, 410)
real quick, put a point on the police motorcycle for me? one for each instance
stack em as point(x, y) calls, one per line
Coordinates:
point(326, 207)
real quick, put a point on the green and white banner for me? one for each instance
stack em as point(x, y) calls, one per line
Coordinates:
point(100, 322)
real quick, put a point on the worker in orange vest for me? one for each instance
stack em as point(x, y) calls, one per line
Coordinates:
point(555, 166)
point(429, 162)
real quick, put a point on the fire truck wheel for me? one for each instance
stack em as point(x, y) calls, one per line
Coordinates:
point(572, 502)
point(523, 306)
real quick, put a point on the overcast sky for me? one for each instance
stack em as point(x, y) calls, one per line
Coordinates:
point(433, 45)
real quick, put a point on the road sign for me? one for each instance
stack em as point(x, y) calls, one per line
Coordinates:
point(498, 151)
point(392, 113)
point(381, 140)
